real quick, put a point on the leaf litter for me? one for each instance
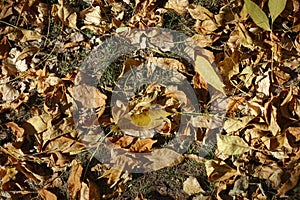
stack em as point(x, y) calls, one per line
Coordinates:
point(253, 44)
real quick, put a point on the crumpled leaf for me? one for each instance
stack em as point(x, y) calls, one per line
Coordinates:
point(191, 186)
point(232, 145)
point(257, 14)
point(205, 69)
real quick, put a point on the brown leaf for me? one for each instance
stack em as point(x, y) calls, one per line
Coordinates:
point(37, 124)
point(124, 141)
point(129, 64)
point(169, 64)
point(205, 21)
point(28, 51)
point(6, 10)
point(91, 15)
point(65, 14)
point(191, 186)
point(8, 93)
point(264, 83)
point(65, 145)
point(113, 175)
point(88, 96)
point(46, 195)
point(4, 48)
point(235, 124)
point(74, 181)
point(218, 170)
point(16, 130)
point(292, 180)
point(234, 103)
point(180, 6)
point(24, 35)
point(142, 145)
point(160, 158)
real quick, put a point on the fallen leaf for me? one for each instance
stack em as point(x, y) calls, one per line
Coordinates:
point(205, 69)
point(37, 124)
point(8, 93)
point(169, 64)
point(16, 130)
point(27, 52)
point(179, 6)
point(191, 186)
point(257, 15)
point(142, 145)
point(65, 14)
point(4, 48)
point(74, 180)
point(88, 96)
point(46, 195)
point(232, 145)
point(113, 175)
point(235, 124)
point(91, 15)
point(263, 83)
point(276, 7)
point(294, 176)
point(218, 170)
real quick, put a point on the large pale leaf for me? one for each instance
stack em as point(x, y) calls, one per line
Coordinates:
point(204, 68)
point(257, 15)
point(276, 7)
point(232, 145)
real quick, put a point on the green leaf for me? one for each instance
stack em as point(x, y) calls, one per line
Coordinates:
point(232, 145)
point(257, 14)
point(276, 7)
point(204, 68)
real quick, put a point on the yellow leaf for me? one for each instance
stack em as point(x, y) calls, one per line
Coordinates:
point(257, 15)
point(205, 69)
point(149, 119)
point(276, 7)
point(232, 145)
